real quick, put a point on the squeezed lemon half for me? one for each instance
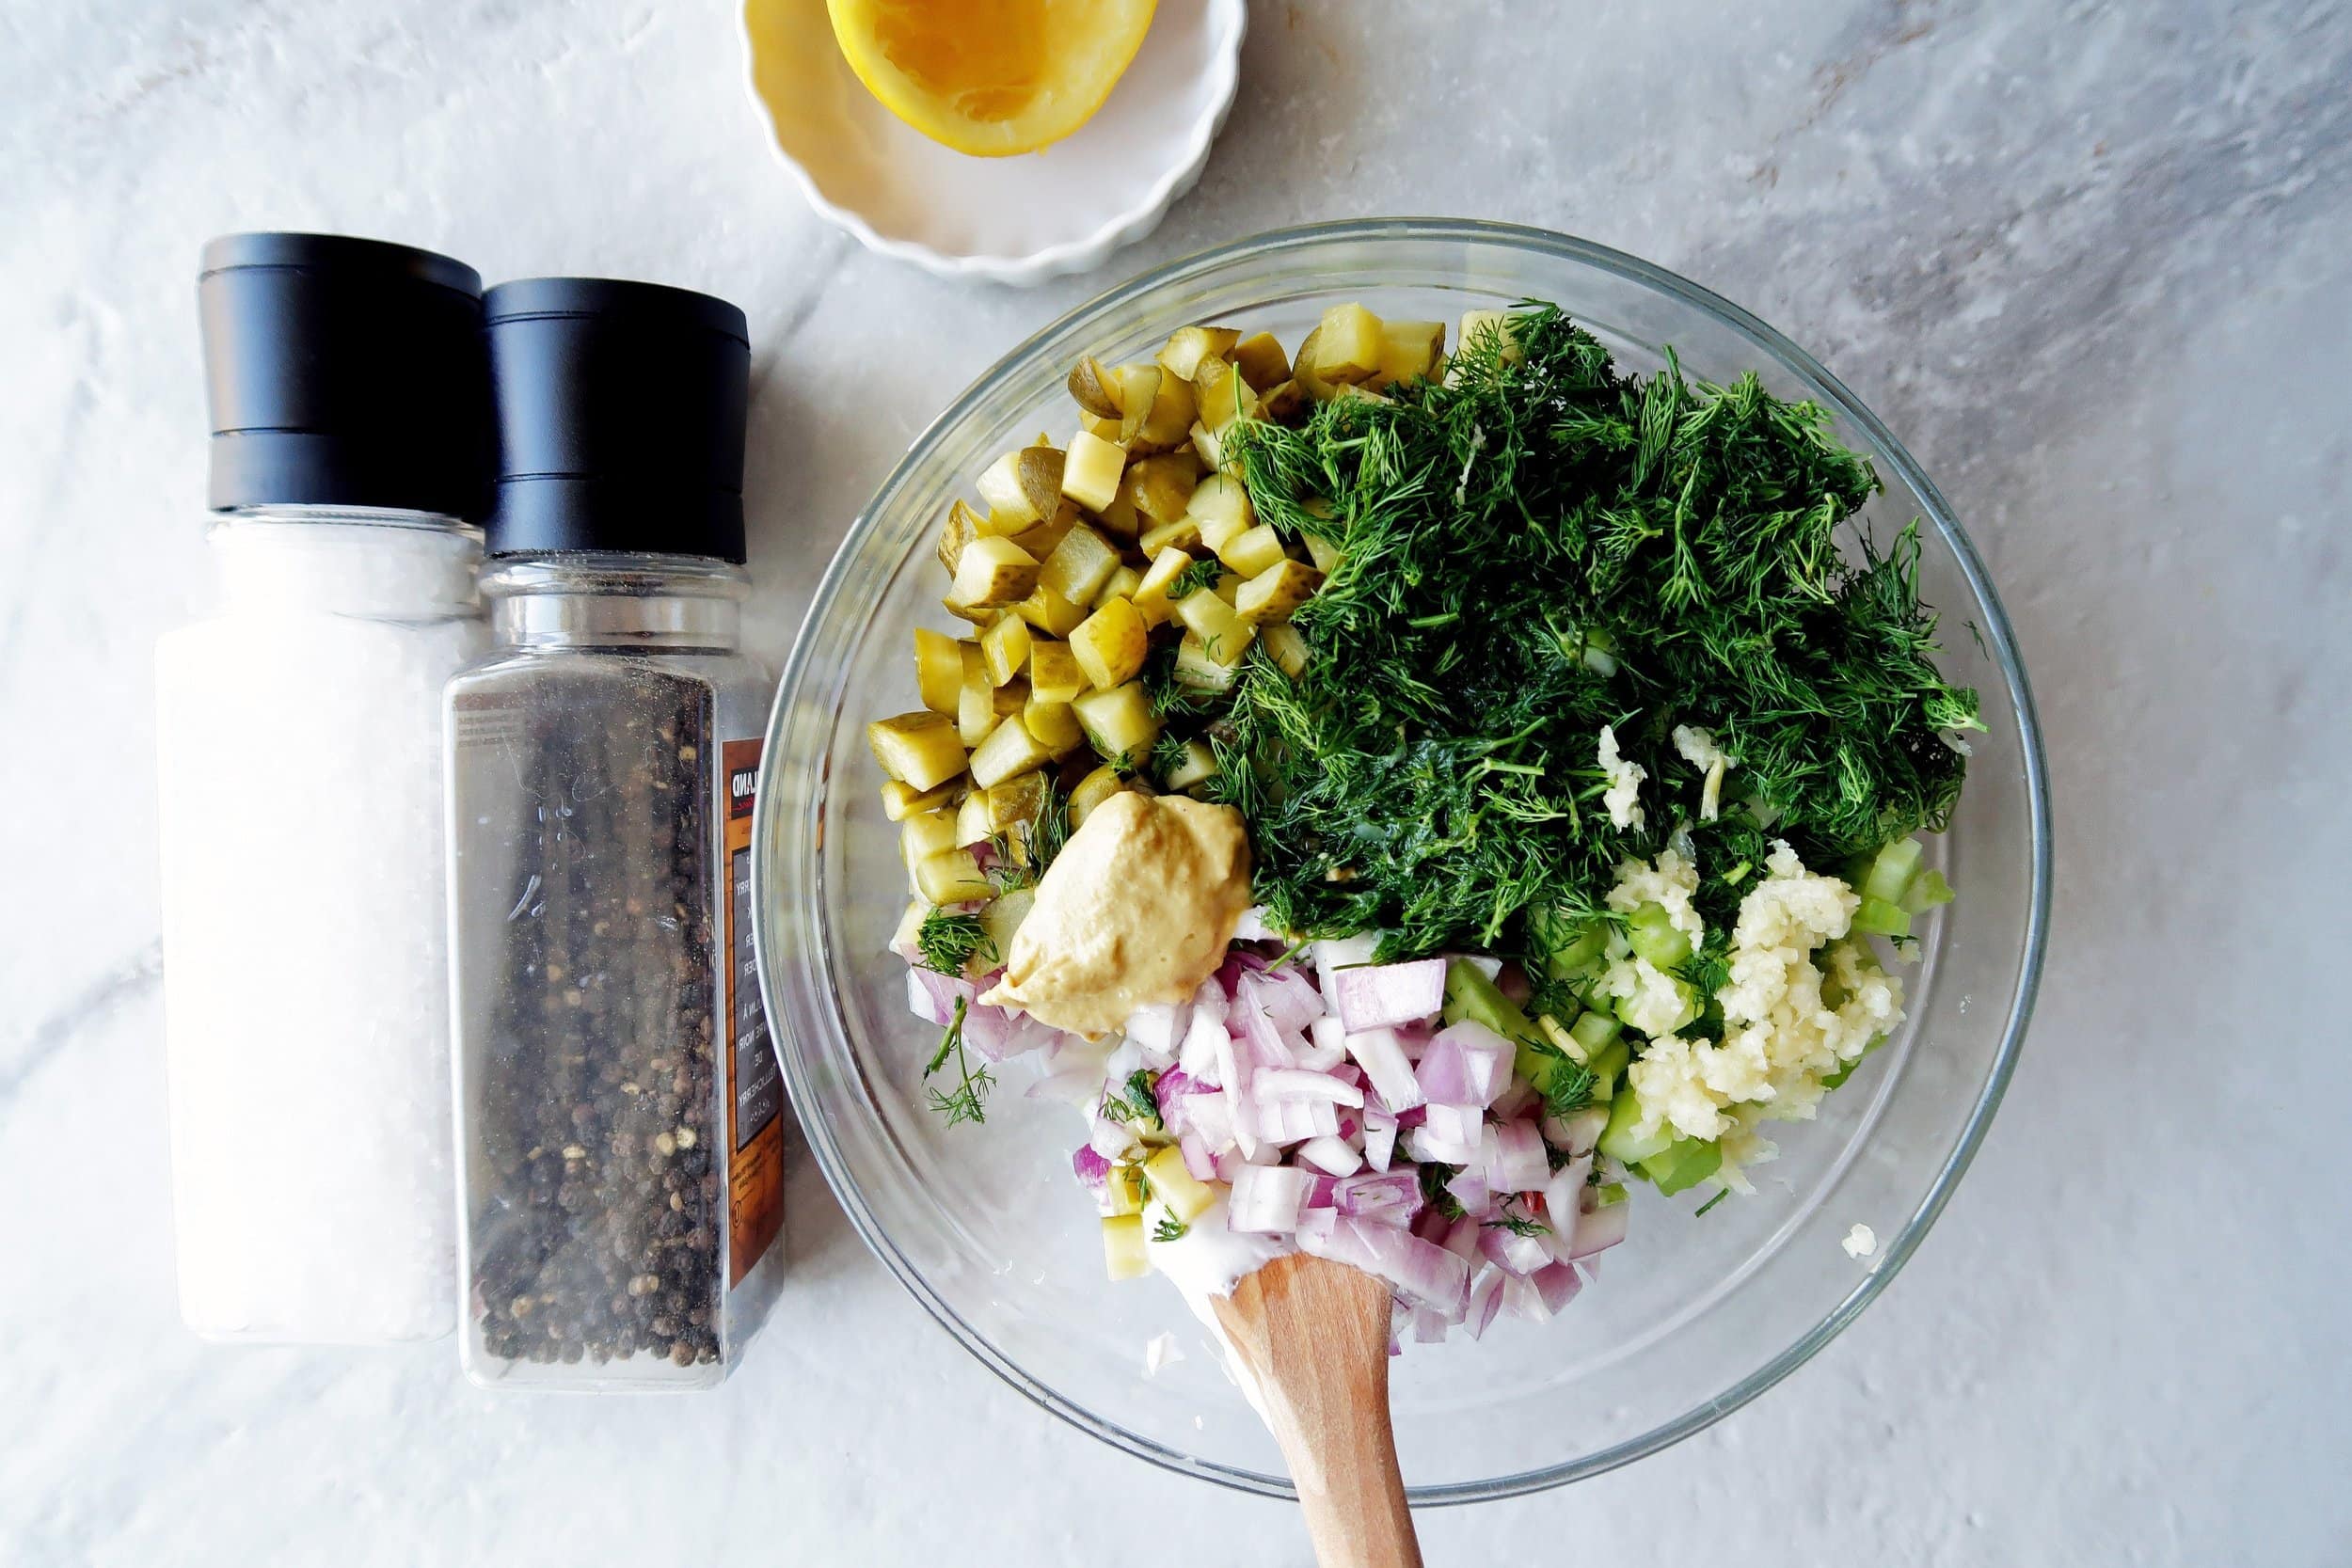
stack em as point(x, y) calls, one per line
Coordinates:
point(990, 77)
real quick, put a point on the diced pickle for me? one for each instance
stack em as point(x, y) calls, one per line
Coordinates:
point(1273, 593)
point(1196, 671)
point(1283, 401)
point(1183, 533)
point(1483, 327)
point(1185, 1195)
point(1090, 474)
point(1092, 388)
point(976, 699)
point(925, 835)
point(1408, 351)
point(1110, 645)
point(952, 877)
point(1261, 360)
point(972, 821)
point(1010, 749)
point(1019, 799)
point(1003, 648)
point(1121, 584)
point(1093, 790)
point(919, 748)
point(994, 572)
point(1197, 766)
point(1049, 612)
point(902, 800)
point(1287, 648)
point(1347, 344)
point(1253, 551)
point(1038, 539)
point(1224, 635)
point(1055, 725)
point(1188, 345)
point(1022, 486)
point(1161, 487)
point(962, 527)
point(1079, 567)
point(1150, 596)
point(1221, 504)
point(938, 669)
point(1055, 675)
point(1119, 519)
point(1119, 723)
point(1010, 698)
point(1123, 1257)
point(1002, 920)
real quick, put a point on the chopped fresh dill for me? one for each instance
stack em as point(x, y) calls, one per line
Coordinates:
point(1171, 1229)
point(1433, 1180)
point(1139, 1103)
point(1167, 756)
point(1200, 574)
point(1517, 1225)
point(1051, 829)
point(1539, 547)
point(968, 1101)
point(949, 942)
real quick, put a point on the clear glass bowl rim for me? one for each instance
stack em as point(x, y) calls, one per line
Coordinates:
point(1994, 628)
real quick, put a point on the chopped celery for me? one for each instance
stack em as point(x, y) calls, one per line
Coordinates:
point(1469, 994)
point(1890, 872)
point(1686, 1162)
point(1578, 953)
point(1591, 1031)
point(1881, 918)
point(1123, 1257)
point(1928, 891)
point(1618, 1139)
point(1609, 1194)
point(1653, 937)
point(1606, 1067)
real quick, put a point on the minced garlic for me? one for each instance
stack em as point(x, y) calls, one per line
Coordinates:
point(1780, 1037)
point(1623, 797)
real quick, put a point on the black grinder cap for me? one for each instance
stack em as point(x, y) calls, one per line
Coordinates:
point(343, 372)
point(620, 419)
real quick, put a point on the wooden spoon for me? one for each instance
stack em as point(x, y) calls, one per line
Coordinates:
point(1314, 1335)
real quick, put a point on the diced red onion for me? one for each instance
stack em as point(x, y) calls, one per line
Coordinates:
point(1511, 980)
point(1379, 1139)
point(1332, 1156)
point(1393, 1194)
point(1485, 1301)
point(1315, 1056)
point(1514, 1253)
point(1197, 1157)
point(1427, 1147)
point(1470, 1190)
point(1317, 1224)
point(1266, 1199)
point(1205, 1035)
point(1520, 1163)
point(1515, 1101)
point(1289, 999)
point(1556, 1285)
point(1522, 1298)
point(1110, 1139)
point(1423, 1273)
point(1455, 1124)
point(1378, 1051)
point(1466, 1064)
point(1319, 1188)
point(1298, 1083)
point(1207, 1115)
point(1380, 996)
point(1429, 1326)
point(1577, 1134)
point(1266, 1042)
point(1291, 1121)
point(1160, 1026)
point(1227, 1162)
point(1599, 1230)
point(1232, 1069)
point(1252, 927)
point(1462, 1236)
point(1562, 1204)
point(1091, 1167)
point(1343, 952)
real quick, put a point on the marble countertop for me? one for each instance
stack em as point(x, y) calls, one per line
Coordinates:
point(2090, 261)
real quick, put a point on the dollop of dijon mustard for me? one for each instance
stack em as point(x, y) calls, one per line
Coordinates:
point(1138, 907)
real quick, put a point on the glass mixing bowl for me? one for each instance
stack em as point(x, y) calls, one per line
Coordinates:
point(1689, 1317)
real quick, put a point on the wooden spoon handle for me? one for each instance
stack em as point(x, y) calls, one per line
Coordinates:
point(1314, 1335)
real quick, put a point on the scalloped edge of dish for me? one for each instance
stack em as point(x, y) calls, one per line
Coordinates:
point(1072, 255)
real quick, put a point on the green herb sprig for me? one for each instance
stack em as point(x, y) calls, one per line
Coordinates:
point(968, 1101)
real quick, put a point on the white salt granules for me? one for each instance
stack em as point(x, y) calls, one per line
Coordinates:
point(306, 969)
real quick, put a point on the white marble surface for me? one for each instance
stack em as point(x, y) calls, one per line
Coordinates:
point(2092, 261)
